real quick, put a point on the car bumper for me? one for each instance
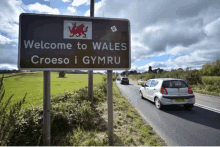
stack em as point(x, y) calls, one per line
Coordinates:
point(124, 82)
point(169, 100)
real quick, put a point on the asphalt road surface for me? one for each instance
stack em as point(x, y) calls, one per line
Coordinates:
point(175, 125)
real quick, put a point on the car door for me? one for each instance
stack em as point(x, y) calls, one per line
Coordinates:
point(146, 86)
point(151, 89)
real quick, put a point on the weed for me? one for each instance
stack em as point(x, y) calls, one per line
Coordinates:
point(8, 115)
point(131, 128)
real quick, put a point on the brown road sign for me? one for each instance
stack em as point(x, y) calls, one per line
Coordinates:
point(57, 42)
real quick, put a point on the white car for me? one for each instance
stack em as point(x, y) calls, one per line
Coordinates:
point(168, 91)
point(118, 78)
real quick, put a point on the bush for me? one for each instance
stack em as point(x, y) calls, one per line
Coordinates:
point(212, 69)
point(8, 116)
point(62, 74)
point(193, 77)
point(68, 112)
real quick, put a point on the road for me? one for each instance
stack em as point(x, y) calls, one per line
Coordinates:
point(175, 125)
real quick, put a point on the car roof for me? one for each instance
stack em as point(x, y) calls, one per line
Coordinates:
point(164, 79)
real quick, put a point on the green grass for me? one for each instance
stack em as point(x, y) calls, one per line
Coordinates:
point(211, 79)
point(217, 77)
point(79, 121)
point(32, 84)
point(210, 85)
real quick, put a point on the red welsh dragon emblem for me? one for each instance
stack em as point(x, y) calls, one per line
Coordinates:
point(78, 30)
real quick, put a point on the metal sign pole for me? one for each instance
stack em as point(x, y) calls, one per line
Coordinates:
point(110, 107)
point(90, 86)
point(46, 109)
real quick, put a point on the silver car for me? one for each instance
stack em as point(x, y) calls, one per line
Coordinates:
point(168, 91)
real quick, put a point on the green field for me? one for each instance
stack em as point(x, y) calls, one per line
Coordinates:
point(32, 84)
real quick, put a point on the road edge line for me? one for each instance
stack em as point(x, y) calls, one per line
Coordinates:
point(207, 108)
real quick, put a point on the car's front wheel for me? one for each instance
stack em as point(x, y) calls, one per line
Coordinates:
point(141, 95)
point(158, 103)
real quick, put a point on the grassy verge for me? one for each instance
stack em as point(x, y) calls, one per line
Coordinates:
point(78, 121)
point(210, 85)
point(32, 84)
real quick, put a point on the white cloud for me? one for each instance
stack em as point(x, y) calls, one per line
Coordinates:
point(213, 28)
point(98, 9)
point(42, 8)
point(77, 3)
point(70, 11)
point(177, 50)
point(4, 40)
point(8, 67)
point(134, 66)
point(87, 13)
point(66, 1)
point(9, 16)
point(196, 59)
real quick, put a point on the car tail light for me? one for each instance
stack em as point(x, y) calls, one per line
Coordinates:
point(190, 90)
point(163, 90)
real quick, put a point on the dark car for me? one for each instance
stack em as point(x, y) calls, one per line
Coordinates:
point(124, 81)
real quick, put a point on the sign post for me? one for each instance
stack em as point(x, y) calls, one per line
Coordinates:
point(46, 109)
point(90, 72)
point(110, 107)
point(58, 42)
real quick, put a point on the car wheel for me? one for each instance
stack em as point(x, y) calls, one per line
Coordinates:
point(158, 103)
point(189, 106)
point(141, 95)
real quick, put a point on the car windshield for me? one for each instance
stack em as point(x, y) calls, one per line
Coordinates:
point(124, 78)
point(174, 84)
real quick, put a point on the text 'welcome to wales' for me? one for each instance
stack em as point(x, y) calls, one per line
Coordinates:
point(36, 59)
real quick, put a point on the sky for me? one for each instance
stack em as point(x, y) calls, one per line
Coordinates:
point(167, 34)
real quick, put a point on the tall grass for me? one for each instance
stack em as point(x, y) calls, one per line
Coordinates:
point(8, 121)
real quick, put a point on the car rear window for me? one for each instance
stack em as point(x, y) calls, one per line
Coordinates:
point(174, 84)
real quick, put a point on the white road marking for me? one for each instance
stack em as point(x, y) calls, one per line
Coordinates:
point(208, 108)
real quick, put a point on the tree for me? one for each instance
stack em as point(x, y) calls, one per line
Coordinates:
point(187, 69)
point(180, 69)
point(150, 69)
point(61, 74)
